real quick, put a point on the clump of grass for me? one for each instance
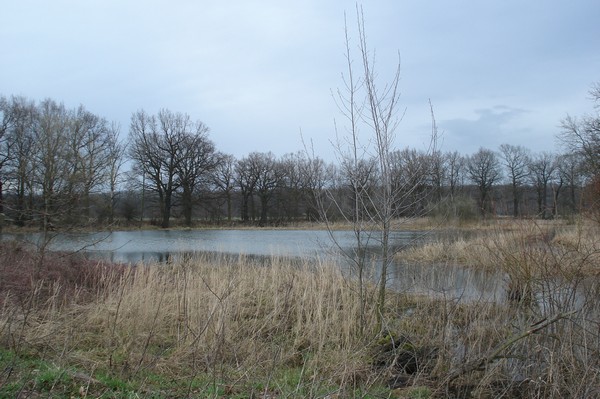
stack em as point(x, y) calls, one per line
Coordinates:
point(525, 243)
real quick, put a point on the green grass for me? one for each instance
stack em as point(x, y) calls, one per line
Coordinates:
point(25, 375)
point(29, 375)
point(21, 375)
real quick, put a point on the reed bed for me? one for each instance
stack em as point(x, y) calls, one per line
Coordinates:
point(525, 243)
point(230, 322)
point(240, 327)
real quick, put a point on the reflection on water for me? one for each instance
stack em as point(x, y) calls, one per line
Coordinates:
point(447, 281)
point(450, 281)
point(158, 245)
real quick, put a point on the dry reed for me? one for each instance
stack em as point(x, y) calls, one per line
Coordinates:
point(197, 316)
point(235, 326)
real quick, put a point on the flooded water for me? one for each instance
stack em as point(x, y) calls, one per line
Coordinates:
point(450, 281)
point(158, 245)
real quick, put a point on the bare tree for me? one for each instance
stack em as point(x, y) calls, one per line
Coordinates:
point(370, 106)
point(155, 146)
point(268, 175)
point(57, 155)
point(245, 179)
point(437, 174)
point(516, 160)
point(5, 123)
point(78, 140)
point(51, 160)
point(542, 169)
point(88, 157)
point(351, 152)
point(116, 159)
point(359, 180)
point(197, 160)
point(582, 135)
point(483, 169)
point(20, 135)
point(595, 93)
point(413, 180)
point(224, 179)
point(291, 199)
point(258, 173)
point(455, 168)
point(556, 185)
point(571, 170)
point(315, 175)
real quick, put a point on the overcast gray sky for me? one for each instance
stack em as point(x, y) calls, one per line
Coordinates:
point(258, 72)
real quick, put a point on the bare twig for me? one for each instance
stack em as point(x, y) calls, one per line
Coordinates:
point(497, 352)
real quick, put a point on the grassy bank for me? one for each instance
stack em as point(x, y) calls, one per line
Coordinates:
point(235, 328)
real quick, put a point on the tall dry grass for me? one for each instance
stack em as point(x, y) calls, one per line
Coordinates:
point(524, 242)
point(239, 321)
point(550, 273)
point(236, 313)
point(551, 264)
point(235, 326)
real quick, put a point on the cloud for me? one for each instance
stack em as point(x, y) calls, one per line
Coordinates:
point(257, 72)
point(490, 128)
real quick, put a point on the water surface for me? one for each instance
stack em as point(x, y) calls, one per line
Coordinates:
point(147, 246)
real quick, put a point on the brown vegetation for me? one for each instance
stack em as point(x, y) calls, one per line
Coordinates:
point(237, 328)
point(46, 277)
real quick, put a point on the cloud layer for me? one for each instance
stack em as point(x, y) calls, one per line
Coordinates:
point(258, 72)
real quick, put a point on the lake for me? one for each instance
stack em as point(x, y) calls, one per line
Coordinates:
point(147, 246)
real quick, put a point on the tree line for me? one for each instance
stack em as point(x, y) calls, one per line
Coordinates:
point(69, 167)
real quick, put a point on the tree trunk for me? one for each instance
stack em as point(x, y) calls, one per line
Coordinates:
point(515, 201)
point(482, 203)
point(252, 207)
point(20, 219)
point(556, 192)
point(544, 202)
point(1, 206)
point(87, 203)
point(540, 203)
point(111, 207)
point(244, 207)
point(385, 261)
point(228, 198)
point(166, 211)
point(187, 205)
point(264, 209)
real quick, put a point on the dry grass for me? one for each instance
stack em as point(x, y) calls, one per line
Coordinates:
point(230, 327)
point(526, 243)
point(228, 312)
point(550, 270)
point(237, 320)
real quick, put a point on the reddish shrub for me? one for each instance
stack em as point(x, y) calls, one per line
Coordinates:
point(24, 270)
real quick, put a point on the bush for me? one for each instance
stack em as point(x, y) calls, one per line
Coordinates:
point(461, 209)
point(26, 272)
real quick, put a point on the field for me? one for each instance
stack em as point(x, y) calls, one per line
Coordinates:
point(235, 328)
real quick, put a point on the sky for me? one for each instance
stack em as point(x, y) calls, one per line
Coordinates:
point(260, 74)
